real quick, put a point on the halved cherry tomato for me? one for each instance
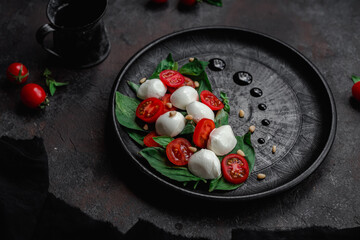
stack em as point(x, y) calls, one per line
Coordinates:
point(202, 132)
point(150, 109)
point(211, 100)
point(235, 168)
point(188, 82)
point(178, 152)
point(149, 141)
point(172, 78)
point(166, 99)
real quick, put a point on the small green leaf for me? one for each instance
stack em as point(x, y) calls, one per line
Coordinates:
point(225, 101)
point(46, 73)
point(52, 88)
point(137, 136)
point(215, 2)
point(163, 140)
point(355, 78)
point(59, 84)
point(135, 87)
point(189, 128)
point(125, 111)
point(221, 118)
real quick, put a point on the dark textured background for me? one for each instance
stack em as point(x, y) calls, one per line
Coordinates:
point(81, 156)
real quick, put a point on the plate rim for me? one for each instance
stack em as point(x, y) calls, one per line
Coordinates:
point(305, 174)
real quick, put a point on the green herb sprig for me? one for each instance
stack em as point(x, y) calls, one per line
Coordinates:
point(51, 83)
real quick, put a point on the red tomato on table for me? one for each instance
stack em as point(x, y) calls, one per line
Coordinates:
point(33, 96)
point(178, 152)
point(172, 78)
point(187, 82)
point(17, 72)
point(356, 87)
point(235, 168)
point(150, 109)
point(209, 99)
point(202, 131)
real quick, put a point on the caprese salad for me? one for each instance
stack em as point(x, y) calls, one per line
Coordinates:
point(184, 127)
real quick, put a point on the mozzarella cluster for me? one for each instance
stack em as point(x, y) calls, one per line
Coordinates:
point(204, 163)
point(183, 98)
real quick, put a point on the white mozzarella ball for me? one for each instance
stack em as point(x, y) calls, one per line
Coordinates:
point(151, 88)
point(170, 125)
point(199, 111)
point(222, 140)
point(184, 96)
point(205, 164)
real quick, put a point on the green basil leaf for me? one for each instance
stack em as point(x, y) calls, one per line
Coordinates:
point(167, 63)
point(204, 83)
point(125, 109)
point(133, 86)
point(137, 136)
point(194, 68)
point(157, 159)
point(225, 101)
point(221, 118)
point(52, 88)
point(163, 140)
point(59, 84)
point(243, 143)
point(215, 2)
point(189, 128)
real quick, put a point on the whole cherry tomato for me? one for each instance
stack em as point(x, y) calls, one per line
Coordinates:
point(356, 87)
point(17, 73)
point(188, 2)
point(33, 96)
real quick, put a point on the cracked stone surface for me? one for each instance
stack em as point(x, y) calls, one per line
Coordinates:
point(88, 170)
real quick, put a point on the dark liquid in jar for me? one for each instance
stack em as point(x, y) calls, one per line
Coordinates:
point(262, 106)
point(265, 122)
point(256, 92)
point(242, 78)
point(217, 64)
point(261, 140)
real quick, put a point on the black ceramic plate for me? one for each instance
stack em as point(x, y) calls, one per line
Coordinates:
point(300, 106)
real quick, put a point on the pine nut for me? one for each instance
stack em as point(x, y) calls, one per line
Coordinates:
point(193, 149)
point(191, 59)
point(197, 84)
point(142, 80)
point(273, 149)
point(169, 105)
point(189, 117)
point(146, 127)
point(252, 128)
point(172, 113)
point(261, 176)
point(241, 113)
point(240, 152)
